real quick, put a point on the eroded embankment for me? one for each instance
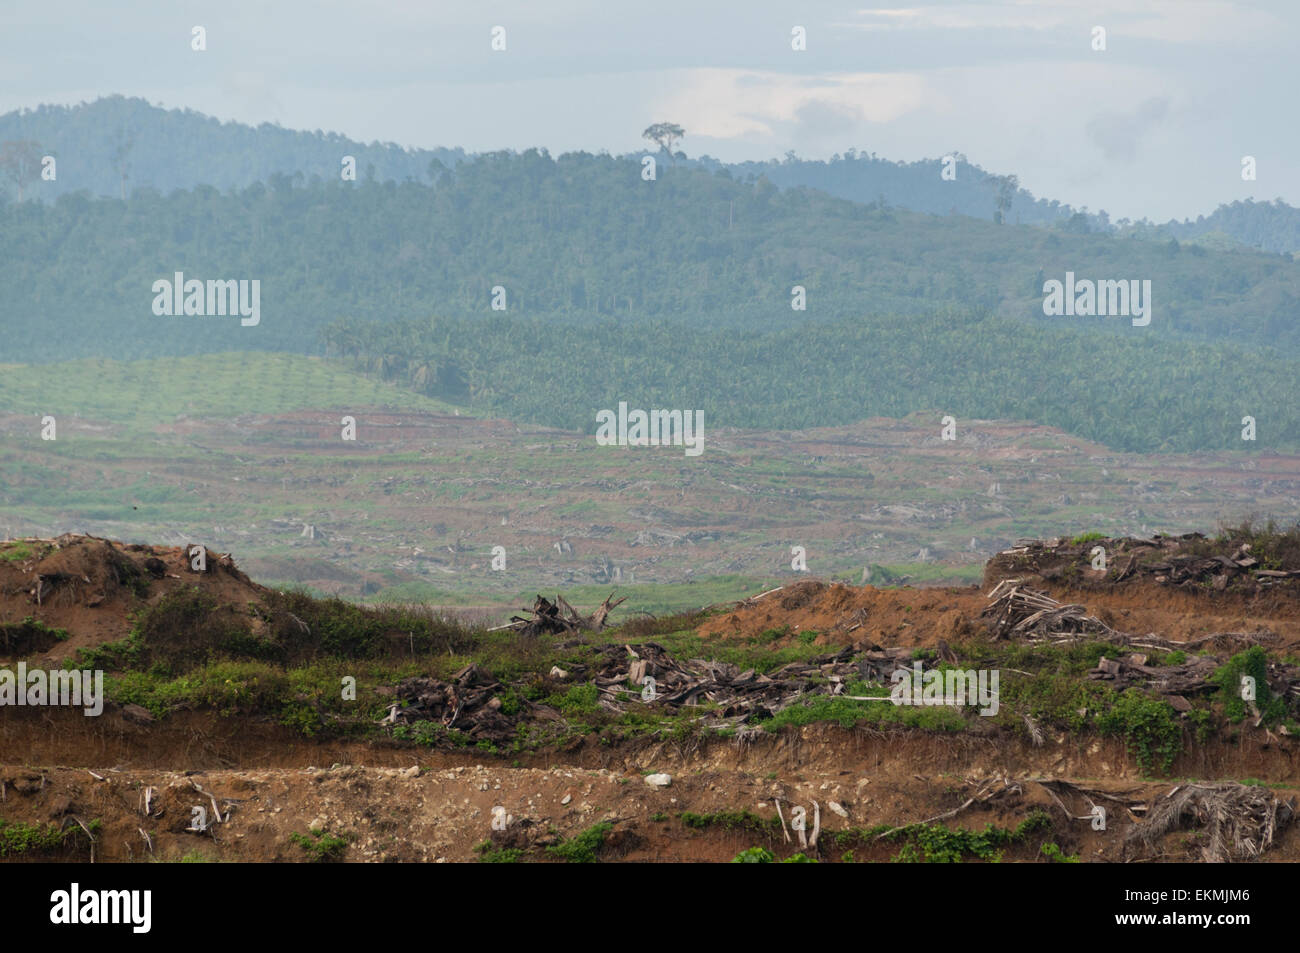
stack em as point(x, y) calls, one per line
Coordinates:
point(205, 741)
point(722, 798)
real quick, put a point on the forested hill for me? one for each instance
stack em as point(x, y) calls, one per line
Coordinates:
point(1269, 226)
point(919, 187)
point(1272, 226)
point(577, 238)
point(116, 144)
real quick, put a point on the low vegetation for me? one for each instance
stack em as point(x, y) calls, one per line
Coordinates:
point(321, 846)
point(21, 839)
point(582, 848)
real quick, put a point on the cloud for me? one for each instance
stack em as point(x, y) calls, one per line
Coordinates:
point(731, 104)
point(818, 120)
point(251, 93)
point(1117, 135)
point(1214, 22)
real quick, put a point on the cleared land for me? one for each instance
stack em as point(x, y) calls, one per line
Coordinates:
point(254, 464)
point(227, 695)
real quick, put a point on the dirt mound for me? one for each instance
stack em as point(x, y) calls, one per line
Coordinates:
point(72, 592)
point(848, 615)
point(1165, 586)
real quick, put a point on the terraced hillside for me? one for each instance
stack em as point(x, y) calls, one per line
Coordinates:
point(245, 454)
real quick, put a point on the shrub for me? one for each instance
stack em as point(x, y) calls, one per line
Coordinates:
point(1149, 725)
point(936, 844)
point(582, 848)
point(1254, 663)
point(490, 854)
point(321, 846)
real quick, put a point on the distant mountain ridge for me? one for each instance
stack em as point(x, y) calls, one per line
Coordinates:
point(117, 144)
point(167, 149)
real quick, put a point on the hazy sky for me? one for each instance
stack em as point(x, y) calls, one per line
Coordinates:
point(1155, 126)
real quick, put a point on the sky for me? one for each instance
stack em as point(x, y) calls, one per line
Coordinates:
point(1155, 125)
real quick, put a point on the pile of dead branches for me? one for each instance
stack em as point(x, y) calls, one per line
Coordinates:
point(1166, 560)
point(1089, 803)
point(1174, 682)
point(645, 675)
point(628, 676)
point(1194, 676)
point(558, 616)
point(1216, 572)
point(470, 704)
point(1017, 612)
point(1241, 821)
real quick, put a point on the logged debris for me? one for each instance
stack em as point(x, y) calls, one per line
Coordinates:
point(1192, 677)
point(558, 616)
point(1174, 682)
point(630, 675)
point(1190, 561)
point(641, 676)
point(1240, 822)
point(1017, 612)
point(470, 704)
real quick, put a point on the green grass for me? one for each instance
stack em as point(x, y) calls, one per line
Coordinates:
point(18, 838)
point(677, 634)
point(938, 844)
point(321, 846)
point(1053, 852)
point(489, 854)
point(30, 635)
point(576, 700)
point(1274, 545)
point(197, 856)
point(17, 551)
point(729, 821)
point(848, 713)
point(582, 848)
point(145, 393)
point(187, 629)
